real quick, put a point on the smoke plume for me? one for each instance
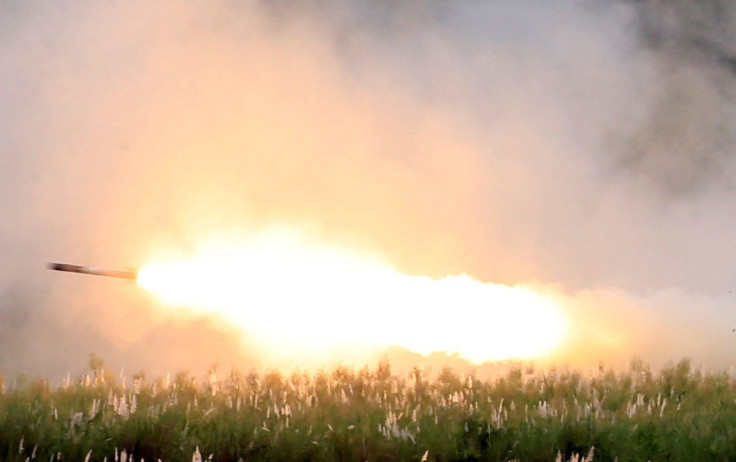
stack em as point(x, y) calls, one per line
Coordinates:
point(585, 148)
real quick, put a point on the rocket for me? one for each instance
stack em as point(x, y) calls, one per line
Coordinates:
point(129, 275)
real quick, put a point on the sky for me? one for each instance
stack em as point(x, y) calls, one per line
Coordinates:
point(584, 148)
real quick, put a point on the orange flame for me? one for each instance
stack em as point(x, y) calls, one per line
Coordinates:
point(299, 298)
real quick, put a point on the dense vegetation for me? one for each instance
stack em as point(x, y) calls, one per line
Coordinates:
point(374, 414)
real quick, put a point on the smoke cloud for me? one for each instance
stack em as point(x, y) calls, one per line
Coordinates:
point(581, 147)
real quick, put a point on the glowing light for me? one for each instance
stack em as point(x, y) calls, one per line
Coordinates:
point(294, 297)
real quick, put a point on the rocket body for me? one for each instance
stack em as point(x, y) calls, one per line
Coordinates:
point(129, 275)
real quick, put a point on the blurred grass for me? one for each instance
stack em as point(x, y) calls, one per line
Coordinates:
point(675, 414)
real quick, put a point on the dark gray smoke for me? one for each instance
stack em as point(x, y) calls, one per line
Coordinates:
point(684, 145)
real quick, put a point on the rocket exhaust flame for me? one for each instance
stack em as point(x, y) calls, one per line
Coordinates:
point(300, 299)
point(128, 275)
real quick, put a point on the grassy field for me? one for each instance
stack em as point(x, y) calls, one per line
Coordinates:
point(675, 414)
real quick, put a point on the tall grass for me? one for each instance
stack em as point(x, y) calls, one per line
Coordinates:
point(373, 414)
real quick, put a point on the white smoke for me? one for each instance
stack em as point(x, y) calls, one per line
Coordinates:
point(582, 145)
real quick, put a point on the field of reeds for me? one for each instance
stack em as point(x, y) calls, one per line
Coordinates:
point(676, 414)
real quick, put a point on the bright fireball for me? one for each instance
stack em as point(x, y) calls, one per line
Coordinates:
point(296, 297)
